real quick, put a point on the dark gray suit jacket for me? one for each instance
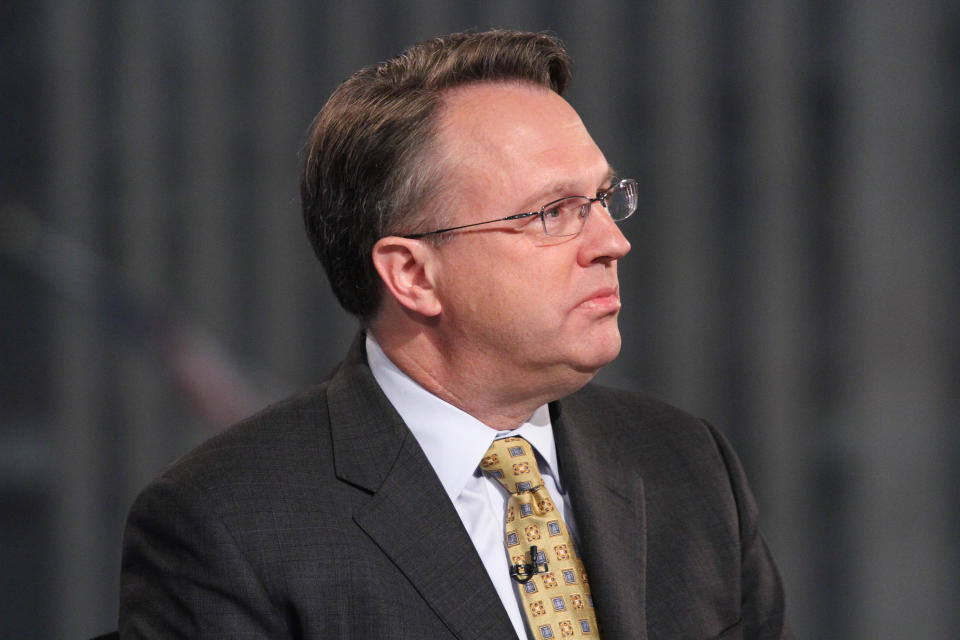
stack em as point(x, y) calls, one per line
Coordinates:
point(321, 517)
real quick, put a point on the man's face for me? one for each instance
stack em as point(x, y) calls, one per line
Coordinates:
point(526, 308)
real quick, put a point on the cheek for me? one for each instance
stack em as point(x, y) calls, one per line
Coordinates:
point(480, 298)
point(552, 295)
point(518, 283)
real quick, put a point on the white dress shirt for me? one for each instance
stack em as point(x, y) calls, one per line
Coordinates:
point(454, 443)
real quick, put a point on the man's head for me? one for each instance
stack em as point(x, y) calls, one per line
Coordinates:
point(372, 167)
point(430, 218)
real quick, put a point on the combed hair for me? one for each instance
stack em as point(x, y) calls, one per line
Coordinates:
point(369, 168)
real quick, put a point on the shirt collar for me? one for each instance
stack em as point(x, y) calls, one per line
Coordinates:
point(453, 440)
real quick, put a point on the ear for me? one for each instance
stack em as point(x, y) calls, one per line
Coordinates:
point(406, 268)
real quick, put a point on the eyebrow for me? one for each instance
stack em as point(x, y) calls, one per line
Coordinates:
point(566, 187)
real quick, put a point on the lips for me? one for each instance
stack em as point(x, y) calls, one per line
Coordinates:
point(604, 299)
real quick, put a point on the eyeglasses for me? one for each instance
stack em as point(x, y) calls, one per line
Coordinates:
point(565, 217)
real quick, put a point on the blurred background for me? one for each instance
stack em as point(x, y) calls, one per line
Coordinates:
point(795, 272)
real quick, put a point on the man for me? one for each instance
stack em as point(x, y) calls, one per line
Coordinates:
point(463, 213)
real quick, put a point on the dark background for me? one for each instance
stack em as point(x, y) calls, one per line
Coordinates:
point(794, 274)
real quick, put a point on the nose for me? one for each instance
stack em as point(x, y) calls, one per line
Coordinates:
point(602, 240)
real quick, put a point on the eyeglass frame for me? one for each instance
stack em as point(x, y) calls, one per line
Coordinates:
point(601, 198)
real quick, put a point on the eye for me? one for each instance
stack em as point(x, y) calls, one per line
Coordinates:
point(554, 211)
point(570, 206)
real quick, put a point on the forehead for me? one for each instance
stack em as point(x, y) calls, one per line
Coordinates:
point(515, 135)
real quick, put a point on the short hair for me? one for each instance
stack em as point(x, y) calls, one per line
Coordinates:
point(370, 168)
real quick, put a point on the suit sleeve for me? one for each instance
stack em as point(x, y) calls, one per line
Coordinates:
point(184, 575)
point(763, 608)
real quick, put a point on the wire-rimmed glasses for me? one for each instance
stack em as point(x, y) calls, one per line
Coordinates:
point(566, 216)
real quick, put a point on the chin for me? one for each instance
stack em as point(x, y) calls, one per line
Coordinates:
point(580, 366)
point(597, 352)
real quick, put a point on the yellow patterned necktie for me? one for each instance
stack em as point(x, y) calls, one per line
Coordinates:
point(546, 566)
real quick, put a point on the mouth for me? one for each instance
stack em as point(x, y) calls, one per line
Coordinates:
point(606, 299)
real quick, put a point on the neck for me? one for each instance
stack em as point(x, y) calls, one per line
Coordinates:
point(487, 395)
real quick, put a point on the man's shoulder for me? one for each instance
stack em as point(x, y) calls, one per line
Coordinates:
point(288, 435)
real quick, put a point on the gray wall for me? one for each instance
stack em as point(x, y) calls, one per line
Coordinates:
point(794, 276)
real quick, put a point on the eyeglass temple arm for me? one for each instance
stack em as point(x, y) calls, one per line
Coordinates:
point(516, 216)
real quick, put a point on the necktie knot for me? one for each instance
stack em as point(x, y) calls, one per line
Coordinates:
point(513, 464)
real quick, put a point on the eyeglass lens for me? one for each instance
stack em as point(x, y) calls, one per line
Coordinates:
point(567, 216)
point(622, 199)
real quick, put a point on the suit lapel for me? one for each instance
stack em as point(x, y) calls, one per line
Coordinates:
point(409, 515)
point(608, 504)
